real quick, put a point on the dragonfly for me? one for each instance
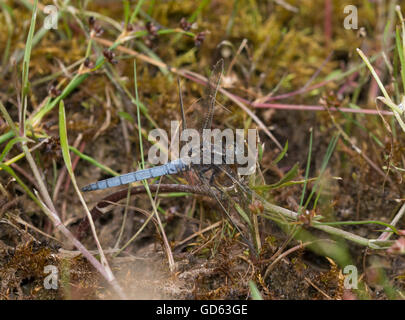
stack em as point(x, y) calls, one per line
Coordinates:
point(215, 188)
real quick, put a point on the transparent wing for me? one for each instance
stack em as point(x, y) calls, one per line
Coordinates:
point(211, 93)
point(199, 115)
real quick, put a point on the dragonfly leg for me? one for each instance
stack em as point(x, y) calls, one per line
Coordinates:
point(214, 171)
point(219, 196)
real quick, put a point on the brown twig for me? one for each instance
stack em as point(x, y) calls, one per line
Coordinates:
point(213, 226)
point(98, 209)
point(283, 255)
point(327, 21)
point(318, 289)
point(388, 232)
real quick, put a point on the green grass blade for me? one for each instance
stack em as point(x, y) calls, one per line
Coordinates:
point(138, 115)
point(6, 136)
point(26, 65)
point(400, 55)
point(243, 214)
point(282, 154)
point(307, 169)
point(9, 17)
point(126, 11)
point(9, 145)
point(254, 291)
point(285, 181)
point(66, 157)
point(93, 161)
point(10, 121)
point(325, 161)
point(136, 11)
point(73, 84)
point(63, 138)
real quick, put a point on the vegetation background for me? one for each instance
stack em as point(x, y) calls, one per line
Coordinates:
point(78, 102)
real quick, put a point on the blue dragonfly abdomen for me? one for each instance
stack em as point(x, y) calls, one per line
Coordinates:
point(172, 167)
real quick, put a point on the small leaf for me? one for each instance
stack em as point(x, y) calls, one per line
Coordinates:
point(287, 178)
point(282, 154)
point(126, 116)
point(63, 138)
point(260, 153)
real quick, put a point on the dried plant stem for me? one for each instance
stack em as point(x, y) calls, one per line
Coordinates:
point(68, 163)
point(274, 210)
point(388, 232)
point(96, 264)
point(371, 243)
point(48, 207)
point(283, 255)
point(386, 99)
point(213, 226)
point(301, 107)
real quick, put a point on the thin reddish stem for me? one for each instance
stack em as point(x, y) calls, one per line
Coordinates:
point(301, 107)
